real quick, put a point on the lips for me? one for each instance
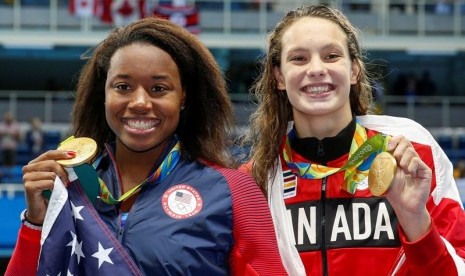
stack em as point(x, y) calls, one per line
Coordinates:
point(140, 124)
point(317, 89)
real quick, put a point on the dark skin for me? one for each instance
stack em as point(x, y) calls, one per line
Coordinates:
point(38, 176)
point(143, 99)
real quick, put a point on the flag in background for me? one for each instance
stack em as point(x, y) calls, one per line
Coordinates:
point(124, 12)
point(75, 241)
point(83, 8)
point(185, 16)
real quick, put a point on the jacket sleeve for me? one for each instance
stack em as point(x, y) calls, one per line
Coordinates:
point(25, 258)
point(255, 250)
point(428, 256)
point(445, 242)
point(442, 250)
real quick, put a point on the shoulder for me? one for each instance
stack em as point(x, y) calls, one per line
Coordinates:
point(397, 126)
point(238, 180)
point(241, 184)
point(421, 138)
point(237, 177)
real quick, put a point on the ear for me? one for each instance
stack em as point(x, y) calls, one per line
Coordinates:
point(355, 71)
point(279, 78)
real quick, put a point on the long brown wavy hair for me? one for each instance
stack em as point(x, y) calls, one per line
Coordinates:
point(205, 123)
point(268, 124)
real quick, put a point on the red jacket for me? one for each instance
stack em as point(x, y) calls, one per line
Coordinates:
point(330, 230)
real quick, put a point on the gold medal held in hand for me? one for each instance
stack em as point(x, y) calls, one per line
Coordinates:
point(84, 147)
point(382, 173)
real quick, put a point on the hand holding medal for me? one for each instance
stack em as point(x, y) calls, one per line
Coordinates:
point(399, 174)
point(84, 147)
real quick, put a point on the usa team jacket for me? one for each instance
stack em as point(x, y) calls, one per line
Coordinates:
point(331, 230)
point(200, 220)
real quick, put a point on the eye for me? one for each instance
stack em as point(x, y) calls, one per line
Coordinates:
point(332, 56)
point(159, 88)
point(297, 58)
point(122, 87)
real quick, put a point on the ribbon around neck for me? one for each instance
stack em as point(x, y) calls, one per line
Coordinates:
point(161, 172)
point(94, 187)
point(361, 155)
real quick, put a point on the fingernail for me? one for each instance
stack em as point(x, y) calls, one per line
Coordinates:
point(71, 153)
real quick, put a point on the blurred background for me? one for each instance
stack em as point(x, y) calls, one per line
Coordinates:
point(416, 49)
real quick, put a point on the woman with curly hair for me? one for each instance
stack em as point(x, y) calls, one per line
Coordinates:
point(154, 100)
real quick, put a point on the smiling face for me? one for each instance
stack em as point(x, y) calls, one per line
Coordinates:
point(143, 97)
point(316, 70)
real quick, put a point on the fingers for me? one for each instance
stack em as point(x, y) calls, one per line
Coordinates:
point(407, 158)
point(47, 163)
point(54, 155)
point(45, 170)
point(38, 176)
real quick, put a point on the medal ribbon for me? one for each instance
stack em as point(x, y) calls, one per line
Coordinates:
point(162, 171)
point(361, 155)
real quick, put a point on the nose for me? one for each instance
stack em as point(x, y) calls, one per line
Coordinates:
point(140, 100)
point(316, 67)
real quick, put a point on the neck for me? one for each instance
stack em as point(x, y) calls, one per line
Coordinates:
point(320, 126)
point(134, 167)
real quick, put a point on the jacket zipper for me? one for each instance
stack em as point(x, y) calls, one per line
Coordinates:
point(323, 227)
point(321, 153)
point(120, 234)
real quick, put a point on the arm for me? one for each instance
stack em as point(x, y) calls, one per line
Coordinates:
point(255, 250)
point(38, 176)
point(433, 241)
point(25, 257)
point(429, 255)
point(443, 201)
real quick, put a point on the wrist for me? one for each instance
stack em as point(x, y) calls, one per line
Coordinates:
point(28, 223)
point(417, 226)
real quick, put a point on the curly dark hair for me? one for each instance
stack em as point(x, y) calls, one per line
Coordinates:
point(208, 116)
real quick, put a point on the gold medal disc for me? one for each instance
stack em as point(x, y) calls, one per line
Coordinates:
point(382, 173)
point(84, 147)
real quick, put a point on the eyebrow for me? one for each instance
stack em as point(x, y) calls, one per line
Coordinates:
point(155, 77)
point(325, 47)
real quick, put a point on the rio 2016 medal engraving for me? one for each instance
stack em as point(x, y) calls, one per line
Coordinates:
point(84, 147)
point(382, 173)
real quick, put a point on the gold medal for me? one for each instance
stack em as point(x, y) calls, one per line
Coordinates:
point(382, 173)
point(84, 147)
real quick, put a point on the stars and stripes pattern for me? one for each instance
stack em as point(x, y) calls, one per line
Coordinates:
point(75, 241)
point(183, 197)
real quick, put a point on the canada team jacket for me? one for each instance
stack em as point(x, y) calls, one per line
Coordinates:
point(323, 228)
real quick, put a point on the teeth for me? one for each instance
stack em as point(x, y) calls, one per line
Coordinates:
point(318, 89)
point(140, 124)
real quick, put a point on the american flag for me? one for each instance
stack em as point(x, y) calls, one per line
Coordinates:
point(75, 241)
point(183, 197)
